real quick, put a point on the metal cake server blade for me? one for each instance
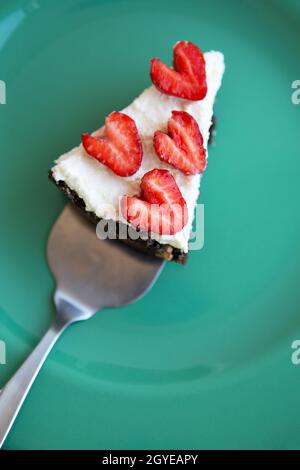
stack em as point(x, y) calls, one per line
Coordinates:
point(90, 274)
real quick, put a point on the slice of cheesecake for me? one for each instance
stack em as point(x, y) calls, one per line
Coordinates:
point(97, 190)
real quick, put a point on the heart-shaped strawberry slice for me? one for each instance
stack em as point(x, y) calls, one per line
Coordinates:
point(188, 77)
point(160, 208)
point(119, 147)
point(182, 147)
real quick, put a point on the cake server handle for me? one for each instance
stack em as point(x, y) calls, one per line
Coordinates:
point(15, 391)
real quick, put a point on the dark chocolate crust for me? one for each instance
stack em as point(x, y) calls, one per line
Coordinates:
point(149, 246)
point(212, 130)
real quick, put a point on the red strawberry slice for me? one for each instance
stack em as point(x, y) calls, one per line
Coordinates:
point(188, 77)
point(160, 187)
point(120, 147)
point(182, 147)
point(160, 208)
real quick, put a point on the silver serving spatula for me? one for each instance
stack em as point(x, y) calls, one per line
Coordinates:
point(91, 274)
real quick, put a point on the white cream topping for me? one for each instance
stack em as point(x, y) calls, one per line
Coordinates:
point(101, 189)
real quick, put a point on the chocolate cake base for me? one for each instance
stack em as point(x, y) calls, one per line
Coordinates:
point(149, 246)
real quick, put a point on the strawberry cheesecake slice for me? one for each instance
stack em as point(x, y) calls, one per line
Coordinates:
point(143, 168)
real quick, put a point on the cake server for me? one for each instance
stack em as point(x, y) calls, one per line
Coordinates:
point(91, 274)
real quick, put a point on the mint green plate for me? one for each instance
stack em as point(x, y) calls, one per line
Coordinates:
point(204, 360)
